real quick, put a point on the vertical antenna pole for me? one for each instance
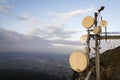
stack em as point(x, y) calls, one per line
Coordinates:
point(88, 43)
point(97, 64)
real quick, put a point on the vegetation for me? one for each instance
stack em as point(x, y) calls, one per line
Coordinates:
point(109, 65)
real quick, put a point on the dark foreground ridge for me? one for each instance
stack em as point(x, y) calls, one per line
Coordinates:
point(109, 65)
point(25, 75)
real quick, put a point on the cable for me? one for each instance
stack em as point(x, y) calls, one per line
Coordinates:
point(99, 17)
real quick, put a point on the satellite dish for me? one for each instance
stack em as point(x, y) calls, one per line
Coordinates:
point(88, 22)
point(83, 38)
point(103, 23)
point(78, 61)
point(97, 30)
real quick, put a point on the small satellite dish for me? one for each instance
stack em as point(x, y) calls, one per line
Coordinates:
point(97, 30)
point(103, 23)
point(83, 38)
point(88, 22)
point(78, 61)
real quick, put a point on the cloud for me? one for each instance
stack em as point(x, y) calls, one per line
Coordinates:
point(102, 0)
point(33, 21)
point(52, 32)
point(67, 42)
point(26, 17)
point(3, 1)
point(57, 32)
point(13, 41)
point(70, 45)
point(5, 9)
point(71, 13)
point(61, 45)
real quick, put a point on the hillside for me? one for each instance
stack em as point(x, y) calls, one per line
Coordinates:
point(109, 65)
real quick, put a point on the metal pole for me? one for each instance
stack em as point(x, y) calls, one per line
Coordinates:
point(97, 52)
point(88, 43)
point(97, 58)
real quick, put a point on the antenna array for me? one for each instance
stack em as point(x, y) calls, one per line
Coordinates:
point(79, 61)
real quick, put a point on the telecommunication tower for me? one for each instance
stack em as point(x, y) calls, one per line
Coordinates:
point(79, 60)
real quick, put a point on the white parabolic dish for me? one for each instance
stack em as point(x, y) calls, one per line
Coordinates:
point(103, 23)
point(97, 30)
point(84, 38)
point(88, 22)
point(78, 61)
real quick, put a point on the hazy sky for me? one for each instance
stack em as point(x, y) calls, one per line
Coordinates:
point(50, 25)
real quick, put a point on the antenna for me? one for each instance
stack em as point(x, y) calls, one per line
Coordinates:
point(103, 23)
point(78, 61)
point(88, 22)
point(101, 8)
point(84, 38)
point(97, 30)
